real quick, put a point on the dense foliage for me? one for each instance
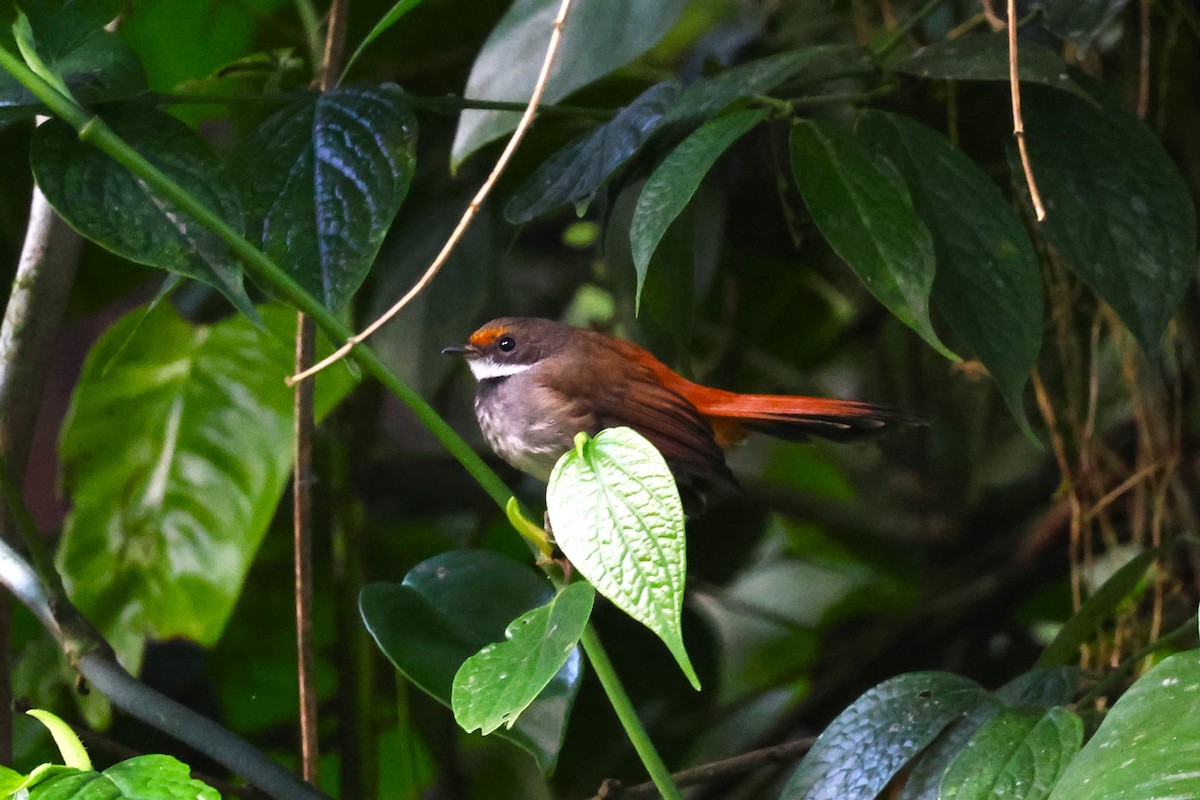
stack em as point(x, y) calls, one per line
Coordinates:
point(802, 197)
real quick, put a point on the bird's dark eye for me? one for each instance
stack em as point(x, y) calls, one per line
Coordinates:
point(507, 344)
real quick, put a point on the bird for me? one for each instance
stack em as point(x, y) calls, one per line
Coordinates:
point(541, 382)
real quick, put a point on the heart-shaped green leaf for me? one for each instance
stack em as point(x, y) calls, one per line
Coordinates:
point(169, 505)
point(451, 606)
point(988, 284)
point(152, 777)
point(617, 516)
point(1015, 755)
point(675, 180)
point(1148, 745)
point(863, 749)
point(106, 203)
point(867, 216)
point(322, 180)
point(496, 684)
point(598, 37)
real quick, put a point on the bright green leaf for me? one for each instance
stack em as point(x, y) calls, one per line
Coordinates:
point(575, 173)
point(867, 216)
point(451, 606)
point(10, 781)
point(1015, 755)
point(984, 57)
point(152, 777)
point(598, 36)
point(72, 750)
point(321, 182)
point(169, 505)
point(105, 202)
point(676, 179)
point(616, 514)
point(496, 684)
point(988, 284)
point(1117, 210)
point(863, 749)
point(1148, 745)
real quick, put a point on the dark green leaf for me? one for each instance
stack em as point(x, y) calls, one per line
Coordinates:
point(573, 174)
point(617, 516)
point(598, 36)
point(446, 610)
point(1117, 210)
point(925, 777)
point(499, 682)
point(1014, 755)
point(984, 57)
point(321, 182)
point(1081, 21)
point(1044, 687)
point(169, 505)
point(393, 15)
point(1149, 744)
point(1097, 608)
point(707, 96)
point(867, 216)
point(107, 204)
point(676, 179)
point(988, 284)
point(151, 777)
point(863, 749)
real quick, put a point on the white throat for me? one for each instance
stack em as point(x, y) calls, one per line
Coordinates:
point(485, 368)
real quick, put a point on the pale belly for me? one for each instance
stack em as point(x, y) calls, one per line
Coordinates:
point(522, 433)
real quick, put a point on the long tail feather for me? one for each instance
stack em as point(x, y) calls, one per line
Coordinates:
point(797, 418)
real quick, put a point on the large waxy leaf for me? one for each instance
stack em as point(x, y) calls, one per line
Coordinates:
point(984, 57)
point(573, 174)
point(671, 186)
point(321, 182)
point(496, 684)
point(867, 216)
point(152, 777)
point(1015, 755)
point(863, 749)
point(450, 607)
point(1081, 21)
point(106, 203)
point(1117, 210)
point(617, 516)
point(988, 284)
point(1148, 746)
point(925, 777)
point(598, 37)
point(174, 455)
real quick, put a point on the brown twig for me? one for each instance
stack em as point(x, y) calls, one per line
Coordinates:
point(781, 753)
point(993, 20)
point(471, 211)
point(1014, 81)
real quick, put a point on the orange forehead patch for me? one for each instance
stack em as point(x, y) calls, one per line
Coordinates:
point(485, 336)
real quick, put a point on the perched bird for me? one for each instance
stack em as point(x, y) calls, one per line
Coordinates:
point(541, 382)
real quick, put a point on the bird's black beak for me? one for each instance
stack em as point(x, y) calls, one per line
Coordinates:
point(459, 350)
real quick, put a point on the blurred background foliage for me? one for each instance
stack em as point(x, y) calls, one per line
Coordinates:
point(958, 546)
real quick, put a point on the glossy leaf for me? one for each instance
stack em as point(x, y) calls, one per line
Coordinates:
point(988, 284)
point(616, 514)
point(499, 682)
point(1148, 745)
point(672, 184)
point(446, 610)
point(1081, 21)
point(152, 777)
point(575, 173)
point(925, 777)
point(706, 97)
point(984, 57)
point(868, 743)
point(169, 505)
point(321, 182)
point(598, 36)
point(866, 214)
point(107, 204)
point(1043, 687)
point(1117, 210)
point(1095, 610)
point(1014, 755)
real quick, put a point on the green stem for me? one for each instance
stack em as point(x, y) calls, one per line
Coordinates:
point(95, 131)
point(904, 30)
point(621, 703)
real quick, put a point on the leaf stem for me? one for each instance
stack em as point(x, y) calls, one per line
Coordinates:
point(627, 714)
point(904, 30)
point(95, 131)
